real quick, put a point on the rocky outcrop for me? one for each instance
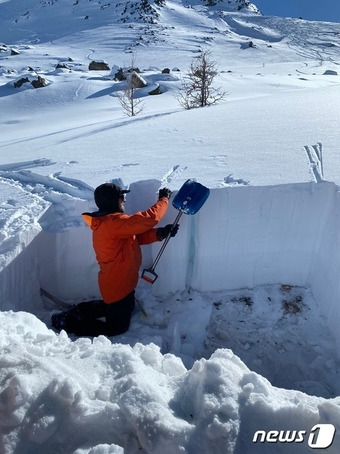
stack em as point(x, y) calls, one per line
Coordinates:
point(99, 65)
point(137, 81)
point(33, 81)
point(156, 91)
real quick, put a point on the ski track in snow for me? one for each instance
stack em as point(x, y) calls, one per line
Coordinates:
point(45, 185)
point(26, 165)
point(173, 173)
point(315, 158)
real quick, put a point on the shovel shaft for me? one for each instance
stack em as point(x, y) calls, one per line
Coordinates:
point(188, 200)
point(166, 241)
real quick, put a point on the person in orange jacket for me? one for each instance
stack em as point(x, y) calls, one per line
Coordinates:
point(116, 240)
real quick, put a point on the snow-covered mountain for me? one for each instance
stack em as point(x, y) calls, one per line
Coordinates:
point(242, 328)
point(33, 13)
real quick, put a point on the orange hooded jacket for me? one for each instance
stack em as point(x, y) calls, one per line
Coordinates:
point(116, 241)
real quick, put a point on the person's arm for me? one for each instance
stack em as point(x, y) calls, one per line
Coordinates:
point(158, 234)
point(142, 221)
point(124, 225)
point(150, 236)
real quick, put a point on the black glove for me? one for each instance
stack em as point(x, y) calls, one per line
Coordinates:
point(163, 232)
point(164, 192)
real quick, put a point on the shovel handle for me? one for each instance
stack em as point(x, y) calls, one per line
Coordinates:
point(166, 241)
point(149, 274)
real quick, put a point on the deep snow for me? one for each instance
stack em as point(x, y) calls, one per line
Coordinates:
point(242, 327)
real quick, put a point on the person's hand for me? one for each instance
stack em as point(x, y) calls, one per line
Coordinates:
point(163, 232)
point(164, 192)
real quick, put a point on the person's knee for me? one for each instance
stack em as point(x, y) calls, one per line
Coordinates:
point(116, 330)
point(118, 315)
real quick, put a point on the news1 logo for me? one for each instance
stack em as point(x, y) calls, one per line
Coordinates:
point(321, 436)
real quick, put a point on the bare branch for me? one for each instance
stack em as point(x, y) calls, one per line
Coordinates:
point(197, 90)
point(127, 99)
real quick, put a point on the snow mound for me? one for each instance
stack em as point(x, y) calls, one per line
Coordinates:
point(108, 395)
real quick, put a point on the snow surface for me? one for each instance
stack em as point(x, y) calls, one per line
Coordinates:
point(241, 332)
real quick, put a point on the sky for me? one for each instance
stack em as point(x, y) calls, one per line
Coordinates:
point(324, 10)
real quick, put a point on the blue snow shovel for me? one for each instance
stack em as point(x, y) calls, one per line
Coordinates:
point(188, 200)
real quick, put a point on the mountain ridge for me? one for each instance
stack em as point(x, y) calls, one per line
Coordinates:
point(31, 17)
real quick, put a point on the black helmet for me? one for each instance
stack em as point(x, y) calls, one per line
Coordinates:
point(107, 197)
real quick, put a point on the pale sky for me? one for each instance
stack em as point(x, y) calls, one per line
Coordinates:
point(324, 10)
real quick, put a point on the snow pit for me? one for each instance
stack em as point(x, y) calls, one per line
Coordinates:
point(256, 270)
point(247, 293)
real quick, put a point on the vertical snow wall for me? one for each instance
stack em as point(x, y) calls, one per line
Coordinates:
point(242, 237)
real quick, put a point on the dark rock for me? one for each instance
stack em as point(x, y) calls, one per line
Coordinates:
point(137, 81)
point(330, 72)
point(99, 66)
point(62, 65)
point(120, 76)
point(40, 82)
point(20, 82)
point(156, 91)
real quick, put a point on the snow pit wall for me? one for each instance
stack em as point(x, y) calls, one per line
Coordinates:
point(242, 237)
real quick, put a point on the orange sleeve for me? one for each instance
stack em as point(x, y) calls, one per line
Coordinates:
point(150, 236)
point(142, 221)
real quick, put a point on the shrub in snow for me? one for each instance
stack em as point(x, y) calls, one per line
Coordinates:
point(128, 101)
point(133, 81)
point(197, 89)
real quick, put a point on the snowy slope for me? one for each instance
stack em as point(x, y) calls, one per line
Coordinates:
point(254, 275)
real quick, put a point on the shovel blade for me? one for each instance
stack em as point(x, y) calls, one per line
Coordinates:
point(191, 197)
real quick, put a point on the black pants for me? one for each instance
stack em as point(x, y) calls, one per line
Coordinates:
point(84, 319)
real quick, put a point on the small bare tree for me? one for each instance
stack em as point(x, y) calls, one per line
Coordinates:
point(197, 90)
point(128, 101)
point(132, 105)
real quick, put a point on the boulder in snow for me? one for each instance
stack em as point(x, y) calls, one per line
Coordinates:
point(156, 91)
point(137, 80)
point(330, 72)
point(18, 83)
point(119, 75)
point(33, 81)
point(40, 82)
point(101, 65)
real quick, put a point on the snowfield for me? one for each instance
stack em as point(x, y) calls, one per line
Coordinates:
point(240, 349)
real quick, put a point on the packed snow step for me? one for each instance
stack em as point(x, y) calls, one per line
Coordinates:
point(274, 330)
